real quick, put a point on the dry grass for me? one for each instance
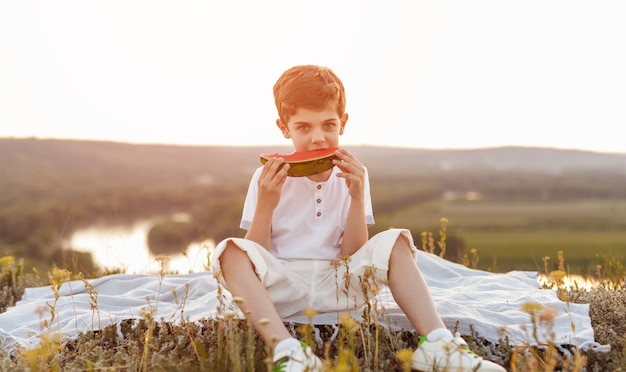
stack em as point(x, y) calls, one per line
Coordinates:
point(228, 343)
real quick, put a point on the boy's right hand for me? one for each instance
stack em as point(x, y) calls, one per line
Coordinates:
point(271, 182)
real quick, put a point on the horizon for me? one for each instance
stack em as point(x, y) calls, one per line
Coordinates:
point(269, 145)
point(441, 75)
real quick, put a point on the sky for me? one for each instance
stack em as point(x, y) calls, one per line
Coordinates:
point(425, 74)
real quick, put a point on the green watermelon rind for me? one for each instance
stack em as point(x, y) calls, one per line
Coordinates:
point(306, 166)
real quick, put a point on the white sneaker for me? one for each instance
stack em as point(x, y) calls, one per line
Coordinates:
point(450, 356)
point(297, 359)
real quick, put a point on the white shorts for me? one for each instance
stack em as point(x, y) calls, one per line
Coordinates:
point(322, 285)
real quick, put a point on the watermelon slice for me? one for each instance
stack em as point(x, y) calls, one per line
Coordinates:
point(305, 163)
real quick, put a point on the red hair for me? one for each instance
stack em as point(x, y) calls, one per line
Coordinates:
point(310, 87)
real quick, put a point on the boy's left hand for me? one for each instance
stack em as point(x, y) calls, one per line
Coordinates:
point(353, 171)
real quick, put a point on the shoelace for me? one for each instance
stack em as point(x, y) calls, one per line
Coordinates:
point(280, 364)
point(460, 345)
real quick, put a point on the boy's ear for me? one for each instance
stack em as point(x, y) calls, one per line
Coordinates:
point(283, 128)
point(344, 120)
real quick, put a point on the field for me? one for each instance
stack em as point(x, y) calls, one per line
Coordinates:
point(517, 235)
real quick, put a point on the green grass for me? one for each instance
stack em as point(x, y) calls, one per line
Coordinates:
point(516, 235)
point(594, 214)
point(524, 250)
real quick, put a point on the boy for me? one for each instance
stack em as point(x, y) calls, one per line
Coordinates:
point(296, 227)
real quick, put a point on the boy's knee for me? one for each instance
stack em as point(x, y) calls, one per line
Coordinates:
point(235, 256)
point(403, 249)
point(402, 243)
point(231, 252)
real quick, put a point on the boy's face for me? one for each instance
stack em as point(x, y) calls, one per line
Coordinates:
point(314, 130)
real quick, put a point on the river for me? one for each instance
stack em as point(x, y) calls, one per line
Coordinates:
point(126, 247)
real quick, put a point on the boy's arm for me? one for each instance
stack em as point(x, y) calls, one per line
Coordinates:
point(270, 185)
point(260, 227)
point(355, 234)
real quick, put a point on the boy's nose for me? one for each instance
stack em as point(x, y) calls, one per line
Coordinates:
point(317, 137)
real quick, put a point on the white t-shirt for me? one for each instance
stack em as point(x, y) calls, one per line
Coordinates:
point(310, 218)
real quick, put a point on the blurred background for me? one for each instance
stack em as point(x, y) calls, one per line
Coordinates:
point(129, 130)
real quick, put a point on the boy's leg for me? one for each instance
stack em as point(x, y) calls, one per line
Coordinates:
point(412, 294)
point(239, 274)
point(409, 289)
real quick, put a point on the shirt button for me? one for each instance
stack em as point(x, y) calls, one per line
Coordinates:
point(319, 201)
point(319, 214)
point(319, 187)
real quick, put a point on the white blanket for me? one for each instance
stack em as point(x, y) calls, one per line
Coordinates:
point(491, 303)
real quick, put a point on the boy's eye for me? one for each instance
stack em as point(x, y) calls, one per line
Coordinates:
point(330, 125)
